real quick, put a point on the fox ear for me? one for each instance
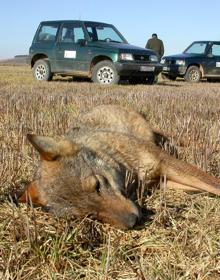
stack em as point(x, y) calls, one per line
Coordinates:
point(31, 195)
point(50, 149)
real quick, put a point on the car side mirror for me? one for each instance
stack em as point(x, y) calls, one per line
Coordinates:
point(82, 42)
point(210, 55)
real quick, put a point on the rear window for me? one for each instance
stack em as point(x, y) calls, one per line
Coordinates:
point(47, 33)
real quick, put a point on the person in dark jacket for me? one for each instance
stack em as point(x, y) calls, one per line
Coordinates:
point(156, 45)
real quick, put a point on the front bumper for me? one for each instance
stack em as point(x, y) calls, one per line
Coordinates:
point(138, 69)
point(174, 70)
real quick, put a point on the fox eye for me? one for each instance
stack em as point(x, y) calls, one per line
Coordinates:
point(98, 187)
point(91, 184)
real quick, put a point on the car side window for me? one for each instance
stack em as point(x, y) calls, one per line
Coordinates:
point(72, 33)
point(47, 33)
point(92, 34)
point(79, 34)
point(67, 35)
point(216, 49)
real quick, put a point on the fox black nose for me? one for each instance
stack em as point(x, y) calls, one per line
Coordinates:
point(131, 220)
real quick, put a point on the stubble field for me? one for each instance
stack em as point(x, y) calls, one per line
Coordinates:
point(181, 238)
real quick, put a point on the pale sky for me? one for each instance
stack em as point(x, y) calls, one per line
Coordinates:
point(177, 23)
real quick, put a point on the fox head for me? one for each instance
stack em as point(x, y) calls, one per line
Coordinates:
point(75, 181)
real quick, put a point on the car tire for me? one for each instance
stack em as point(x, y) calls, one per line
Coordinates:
point(41, 70)
point(193, 74)
point(104, 72)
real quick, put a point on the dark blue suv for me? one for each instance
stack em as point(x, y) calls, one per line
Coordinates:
point(200, 60)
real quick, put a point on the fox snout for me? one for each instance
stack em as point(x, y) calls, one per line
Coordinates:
point(131, 220)
point(123, 221)
point(134, 218)
point(127, 221)
point(120, 212)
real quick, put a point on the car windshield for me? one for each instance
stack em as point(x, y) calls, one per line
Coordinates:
point(104, 33)
point(196, 48)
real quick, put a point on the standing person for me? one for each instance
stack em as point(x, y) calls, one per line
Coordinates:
point(156, 45)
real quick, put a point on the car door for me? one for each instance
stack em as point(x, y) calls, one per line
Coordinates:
point(213, 61)
point(71, 55)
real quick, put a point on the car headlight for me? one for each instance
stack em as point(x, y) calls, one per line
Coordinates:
point(180, 62)
point(126, 56)
point(154, 58)
point(163, 60)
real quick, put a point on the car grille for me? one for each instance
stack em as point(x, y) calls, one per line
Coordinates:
point(140, 57)
point(170, 62)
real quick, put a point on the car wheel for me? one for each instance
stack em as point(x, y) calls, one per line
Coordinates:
point(193, 74)
point(104, 72)
point(41, 70)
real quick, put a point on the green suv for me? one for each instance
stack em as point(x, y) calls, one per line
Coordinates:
point(89, 49)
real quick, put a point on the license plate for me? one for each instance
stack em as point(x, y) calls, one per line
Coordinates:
point(147, 68)
point(165, 68)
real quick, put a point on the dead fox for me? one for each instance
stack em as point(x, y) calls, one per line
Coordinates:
point(84, 173)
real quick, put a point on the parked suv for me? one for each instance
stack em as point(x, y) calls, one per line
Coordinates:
point(200, 60)
point(89, 49)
